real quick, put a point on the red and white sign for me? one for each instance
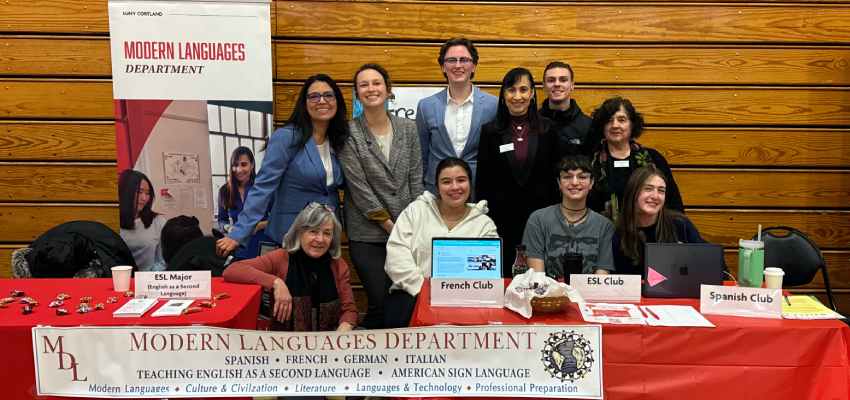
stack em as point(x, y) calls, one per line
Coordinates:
point(520, 361)
point(190, 50)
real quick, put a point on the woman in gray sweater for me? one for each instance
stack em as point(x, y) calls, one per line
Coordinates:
point(383, 169)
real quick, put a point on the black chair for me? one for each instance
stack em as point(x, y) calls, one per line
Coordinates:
point(797, 255)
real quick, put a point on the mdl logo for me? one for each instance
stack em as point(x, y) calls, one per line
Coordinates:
point(67, 361)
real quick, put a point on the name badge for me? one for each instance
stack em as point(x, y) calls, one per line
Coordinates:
point(740, 301)
point(506, 148)
point(616, 288)
point(621, 163)
point(174, 285)
point(467, 292)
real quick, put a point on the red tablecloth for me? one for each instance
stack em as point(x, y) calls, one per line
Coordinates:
point(742, 358)
point(17, 372)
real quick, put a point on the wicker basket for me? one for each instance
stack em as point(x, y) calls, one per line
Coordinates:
point(550, 304)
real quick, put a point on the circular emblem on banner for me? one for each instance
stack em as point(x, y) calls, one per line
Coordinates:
point(567, 356)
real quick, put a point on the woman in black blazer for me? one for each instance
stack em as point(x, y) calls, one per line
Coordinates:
point(516, 159)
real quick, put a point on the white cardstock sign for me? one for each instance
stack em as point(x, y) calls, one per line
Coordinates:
point(174, 285)
point(190, 50)
point(740, 301)
point(467, 292)
point(405, 99)
point(506, 360)
point(617, 288)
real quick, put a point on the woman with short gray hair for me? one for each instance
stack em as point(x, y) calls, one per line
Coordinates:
point(307, 274)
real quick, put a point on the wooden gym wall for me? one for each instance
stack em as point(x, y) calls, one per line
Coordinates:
point(748, 100)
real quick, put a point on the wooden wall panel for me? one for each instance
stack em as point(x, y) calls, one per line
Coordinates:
point(72, 141)
point(623, 64)
point(629, 64)
point(755, 188)
point(829, 229)
point(751, 147)
point(669, 105)
point(54, 16)
point(55, 56)
point(688, 105)
point(35, 182)
point(28, 221)
point(56, 99)
point(6, 260)
point(667, 22)
point(532, 2)
point(812, 147)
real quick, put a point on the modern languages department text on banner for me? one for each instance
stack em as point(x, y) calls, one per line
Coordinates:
point(523, 361)
point(190, 50)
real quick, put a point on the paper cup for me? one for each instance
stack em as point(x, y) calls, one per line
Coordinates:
point(121, 277)
point(773, 278)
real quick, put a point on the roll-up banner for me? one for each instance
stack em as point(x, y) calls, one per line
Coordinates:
point(192, 82)
point(497, 360)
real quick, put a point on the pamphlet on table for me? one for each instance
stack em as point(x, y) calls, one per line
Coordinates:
point(806, 307)
point(608, 313)
point(671, 315)
point(172, 308)
point(135, 308)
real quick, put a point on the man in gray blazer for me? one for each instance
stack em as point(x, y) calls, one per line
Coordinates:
point(449, 122)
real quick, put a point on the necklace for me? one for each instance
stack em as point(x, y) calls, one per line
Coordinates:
point(572, 209)
point(577, 220)
point(456, 220)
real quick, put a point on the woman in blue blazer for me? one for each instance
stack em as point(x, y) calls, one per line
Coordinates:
point(300, 165)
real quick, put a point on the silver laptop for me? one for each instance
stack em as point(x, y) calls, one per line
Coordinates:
point(678, 269)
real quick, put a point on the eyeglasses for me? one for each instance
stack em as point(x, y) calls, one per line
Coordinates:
point(455, 60)
point(317, 97)
point(585, 177)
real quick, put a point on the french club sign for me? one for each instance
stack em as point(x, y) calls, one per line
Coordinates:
point(154, 362)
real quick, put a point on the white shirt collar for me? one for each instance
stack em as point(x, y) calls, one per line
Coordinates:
point(469, 99)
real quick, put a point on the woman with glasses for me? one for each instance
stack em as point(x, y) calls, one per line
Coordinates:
point(383, 172)
point(308, 279)
point(140, 225)
point(300, 165)
point(617, 126)
point(646, 219)
point(409, 247)
point(516, 160)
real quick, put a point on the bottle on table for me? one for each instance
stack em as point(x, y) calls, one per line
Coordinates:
point(520, 262)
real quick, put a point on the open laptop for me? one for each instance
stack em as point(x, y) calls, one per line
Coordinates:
point(678, 269)
point(466, 258)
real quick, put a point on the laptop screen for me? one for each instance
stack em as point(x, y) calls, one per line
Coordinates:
point(678, 269)
point(466, 258)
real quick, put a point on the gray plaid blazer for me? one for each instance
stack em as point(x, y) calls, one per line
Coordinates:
point(375, 186)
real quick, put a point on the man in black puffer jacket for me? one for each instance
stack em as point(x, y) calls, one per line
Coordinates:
point(571, 124)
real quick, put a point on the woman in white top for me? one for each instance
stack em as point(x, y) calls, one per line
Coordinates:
point(409, 247)
point(140, 225)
